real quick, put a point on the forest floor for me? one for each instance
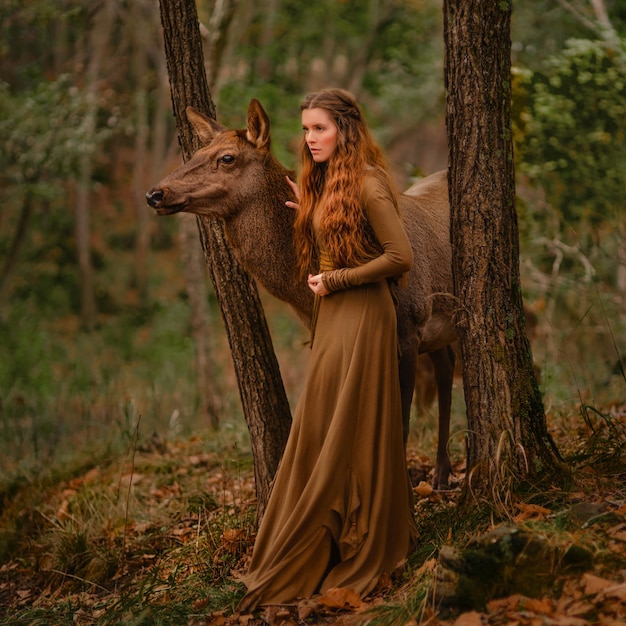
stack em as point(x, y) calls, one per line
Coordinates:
point(161, 534)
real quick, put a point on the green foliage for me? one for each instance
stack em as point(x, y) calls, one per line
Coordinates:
point(389, 53)
point(569, 119)
point(45, 135)
point(63, 388)
point(405, 78)
point(571, 132)
point(26, 32)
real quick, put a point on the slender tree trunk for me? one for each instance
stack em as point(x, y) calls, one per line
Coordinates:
point(262, 393)
point(82, 230)
point(217, 37)
point(243, 18)
point(142, 241)
point(263, 65)
point(16, 245)
point(508, 439)
point(103, 24)
point(196, 284)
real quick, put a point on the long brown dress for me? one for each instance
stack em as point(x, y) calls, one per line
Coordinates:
point(340, 513)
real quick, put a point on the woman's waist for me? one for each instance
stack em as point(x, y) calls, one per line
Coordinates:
point(326, 262)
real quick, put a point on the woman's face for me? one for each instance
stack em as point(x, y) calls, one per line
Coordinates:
point(320, 133)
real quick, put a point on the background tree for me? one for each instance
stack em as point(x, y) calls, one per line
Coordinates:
point(262, 393)
point(46, 141)
point(508, 439)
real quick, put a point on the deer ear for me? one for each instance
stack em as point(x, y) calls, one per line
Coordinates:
point(258, 131)
point(206, 128)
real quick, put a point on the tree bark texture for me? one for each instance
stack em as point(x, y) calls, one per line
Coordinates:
point(508, 439)
point(265, 404)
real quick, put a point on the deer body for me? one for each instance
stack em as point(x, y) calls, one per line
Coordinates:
point(236, 178)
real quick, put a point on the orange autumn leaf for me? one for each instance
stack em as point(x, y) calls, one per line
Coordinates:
point(232, 539)
point(200, 604)
point(595, 584)
point(616, 592)
point(233, 534)
point(216, 618)
point(528, 511)
point(427, 566)
point(86, 479)
point(276, 615)
point(341, 598)
point(518, 602)
point(423, 490)
point(63, 513)
point(471, 618)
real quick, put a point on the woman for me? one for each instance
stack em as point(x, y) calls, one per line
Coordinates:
point(340, 513)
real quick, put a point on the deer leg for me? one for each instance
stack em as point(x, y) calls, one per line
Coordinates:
point(407, 386)
point(443, 362)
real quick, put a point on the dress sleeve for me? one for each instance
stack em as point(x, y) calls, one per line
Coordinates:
point(397, 256)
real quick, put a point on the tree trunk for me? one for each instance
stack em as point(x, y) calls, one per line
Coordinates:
point(196, 287)
point(217, 37)
point(82, 232)
point(16, 245)
point(262, 393)
point(142, 240)
point(508, 439)
point(101, 34)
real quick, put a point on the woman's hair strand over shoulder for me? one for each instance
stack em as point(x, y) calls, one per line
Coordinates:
point(338, 185)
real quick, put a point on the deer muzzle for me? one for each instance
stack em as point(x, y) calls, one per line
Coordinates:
point(154, 198)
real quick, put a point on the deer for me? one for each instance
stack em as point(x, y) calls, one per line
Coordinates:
point(235, 177)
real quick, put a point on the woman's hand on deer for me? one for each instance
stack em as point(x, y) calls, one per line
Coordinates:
point(296, 191)
point(316, 284)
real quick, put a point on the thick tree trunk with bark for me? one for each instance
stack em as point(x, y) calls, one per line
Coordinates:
point(262, 393)
point(508, 439)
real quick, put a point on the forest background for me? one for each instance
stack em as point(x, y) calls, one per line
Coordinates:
point(102, 340)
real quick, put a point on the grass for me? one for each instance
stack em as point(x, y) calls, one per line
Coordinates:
point(133, 545)
point(155, 534)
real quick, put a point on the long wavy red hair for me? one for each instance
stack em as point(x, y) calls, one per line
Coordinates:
point(338, 185)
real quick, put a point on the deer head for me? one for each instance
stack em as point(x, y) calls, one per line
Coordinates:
point(224, 173)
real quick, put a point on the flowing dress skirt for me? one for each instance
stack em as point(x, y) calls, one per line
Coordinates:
point(340, 513)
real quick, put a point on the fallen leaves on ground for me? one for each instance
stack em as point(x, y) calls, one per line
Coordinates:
point(185, 487)
point(586, 601)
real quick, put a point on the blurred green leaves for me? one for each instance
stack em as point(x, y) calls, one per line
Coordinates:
point(571, 131)
point(44, 135)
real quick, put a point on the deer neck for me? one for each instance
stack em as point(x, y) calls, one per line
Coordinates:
point(262, 238)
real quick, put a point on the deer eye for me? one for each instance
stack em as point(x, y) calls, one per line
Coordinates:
point(227, 159)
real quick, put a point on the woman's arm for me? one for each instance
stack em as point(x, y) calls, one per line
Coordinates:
point(397, 256)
